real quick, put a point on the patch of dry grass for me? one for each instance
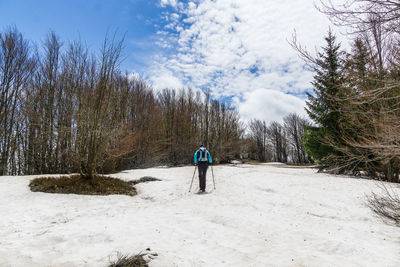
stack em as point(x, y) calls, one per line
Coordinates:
point(129, 261)
point(76, 184)
point(144, 179)
point(138, 260)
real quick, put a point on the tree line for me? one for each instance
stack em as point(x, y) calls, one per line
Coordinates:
point(65, 109)
point(279, 142)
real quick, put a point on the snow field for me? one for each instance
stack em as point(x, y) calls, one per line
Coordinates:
point(259, 215)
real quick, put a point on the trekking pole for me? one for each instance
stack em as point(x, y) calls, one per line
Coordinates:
point(192, 178)
point(212, 171)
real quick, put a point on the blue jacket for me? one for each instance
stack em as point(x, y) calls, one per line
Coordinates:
point(199, 156)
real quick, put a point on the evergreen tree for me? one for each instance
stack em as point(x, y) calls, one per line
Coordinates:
point(322, 107)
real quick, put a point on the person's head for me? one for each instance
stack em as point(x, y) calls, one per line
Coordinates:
point(202, 147)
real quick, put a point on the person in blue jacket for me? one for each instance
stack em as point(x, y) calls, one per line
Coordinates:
point(202, 159)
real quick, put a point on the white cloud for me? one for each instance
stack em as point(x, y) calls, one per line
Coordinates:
point(237, 47)
point(166, 80)
point(165, 3)
point(269, 105)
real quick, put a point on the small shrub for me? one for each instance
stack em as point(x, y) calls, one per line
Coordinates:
point(386, 204)
point(76, 184)
point(129, 261)
point(144, 180)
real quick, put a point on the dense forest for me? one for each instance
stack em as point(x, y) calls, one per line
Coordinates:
point(66, 109)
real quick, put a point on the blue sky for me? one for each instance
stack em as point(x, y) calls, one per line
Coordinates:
point(239, 49)
point(90, 20)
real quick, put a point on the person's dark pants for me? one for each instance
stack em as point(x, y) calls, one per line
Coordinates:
point(203, 166)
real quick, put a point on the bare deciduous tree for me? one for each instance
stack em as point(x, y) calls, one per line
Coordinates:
point(357, 14)
point(258, 134)
point(16, 67)
point(295, 128)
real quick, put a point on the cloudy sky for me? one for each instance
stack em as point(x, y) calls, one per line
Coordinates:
point(237, 48)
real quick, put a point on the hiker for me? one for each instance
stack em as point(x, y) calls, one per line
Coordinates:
point(201, 159)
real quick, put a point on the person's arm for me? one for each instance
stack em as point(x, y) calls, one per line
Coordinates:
point(195, 157)
point(209, 157)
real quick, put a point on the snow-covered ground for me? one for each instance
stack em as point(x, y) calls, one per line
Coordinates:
point(260, 215)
